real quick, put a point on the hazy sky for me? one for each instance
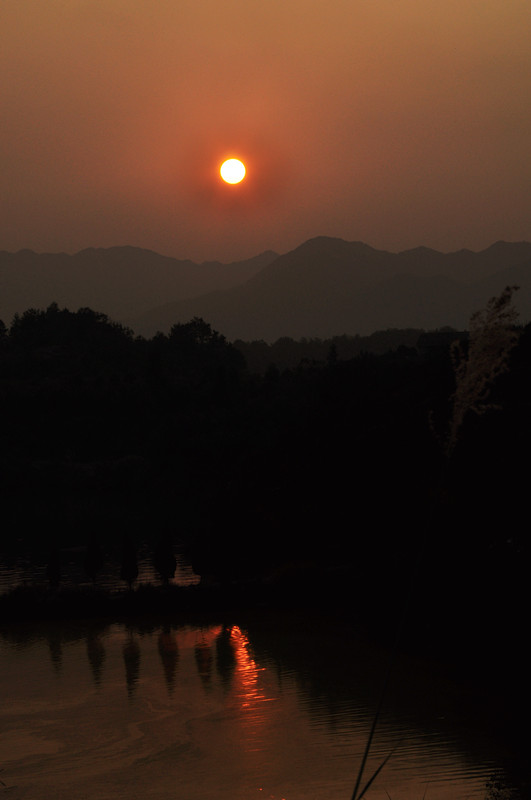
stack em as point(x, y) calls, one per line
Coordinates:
point(394, 122)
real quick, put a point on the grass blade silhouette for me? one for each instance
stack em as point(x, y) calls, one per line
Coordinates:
point(378, 770)
point(394, 653)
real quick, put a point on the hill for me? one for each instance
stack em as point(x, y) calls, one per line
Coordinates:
point(121, 282)
point(324, 288)
point(327, 287)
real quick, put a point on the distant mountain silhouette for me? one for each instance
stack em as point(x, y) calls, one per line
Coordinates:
point(323, 288)
point(328, 286)
point(121, 282)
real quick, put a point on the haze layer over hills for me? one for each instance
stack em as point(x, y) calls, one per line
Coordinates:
point(121, 282)
point(325, 287)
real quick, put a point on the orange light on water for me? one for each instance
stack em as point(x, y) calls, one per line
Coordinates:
point(252, 692)
point(247, 669)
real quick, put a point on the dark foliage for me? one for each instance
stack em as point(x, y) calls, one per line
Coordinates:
point(129, 567)
point(287, 353)
point(93, 561)
point(164, 560)
point(329, 467)
point(53, 569)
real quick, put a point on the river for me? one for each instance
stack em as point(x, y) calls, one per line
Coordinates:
point(273, 707)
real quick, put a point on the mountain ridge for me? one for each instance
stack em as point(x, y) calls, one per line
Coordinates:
point(324, 287)
point(327, 286)
point(120, 281)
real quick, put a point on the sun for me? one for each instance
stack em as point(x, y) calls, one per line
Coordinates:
point(232, 170)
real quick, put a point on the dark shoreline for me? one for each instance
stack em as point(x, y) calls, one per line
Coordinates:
point(446, 642)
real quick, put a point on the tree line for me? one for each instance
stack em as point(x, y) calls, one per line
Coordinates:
point(333, 463)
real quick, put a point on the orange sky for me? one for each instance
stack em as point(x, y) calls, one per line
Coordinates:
point(394, 122)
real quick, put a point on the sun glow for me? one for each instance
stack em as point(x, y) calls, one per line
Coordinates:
point(232, 170)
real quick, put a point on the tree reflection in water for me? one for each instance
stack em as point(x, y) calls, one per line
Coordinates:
point(96, 655)
point(203, 658)
point(169, 655)
point(131, 656)
point(222, 710)
point(225, 656)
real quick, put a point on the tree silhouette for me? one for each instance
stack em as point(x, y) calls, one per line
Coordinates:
point(164, 560)
point(93, 561)
point(53, 569)
point(129, 567)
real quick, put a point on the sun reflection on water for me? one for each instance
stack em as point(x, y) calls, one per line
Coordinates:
point(203, 702)
point(251, 691)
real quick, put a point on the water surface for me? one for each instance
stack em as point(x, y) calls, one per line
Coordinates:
point(272, 710)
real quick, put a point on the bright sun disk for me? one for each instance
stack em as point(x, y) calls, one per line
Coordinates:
point(232, 170)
